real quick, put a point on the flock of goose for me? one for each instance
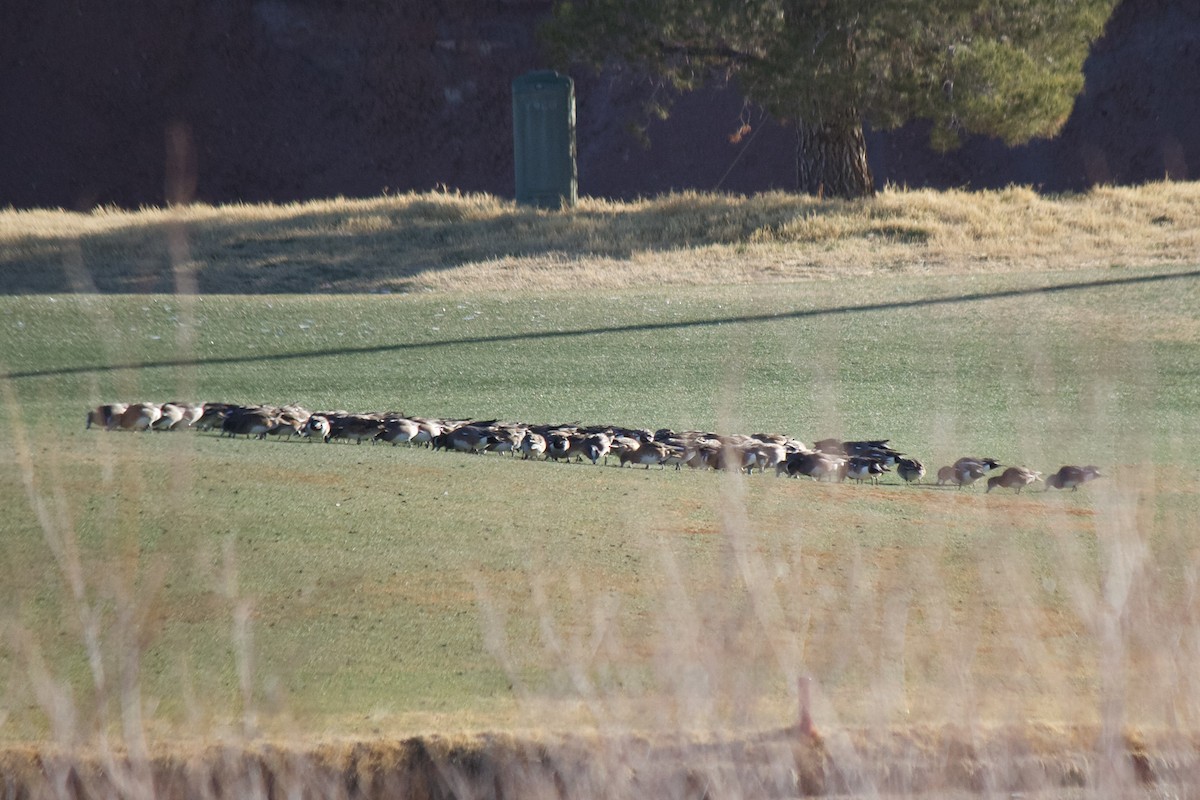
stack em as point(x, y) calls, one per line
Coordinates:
point(829, 459)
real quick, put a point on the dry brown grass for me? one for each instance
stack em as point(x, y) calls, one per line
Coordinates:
point(445, 241)
point(777, 764)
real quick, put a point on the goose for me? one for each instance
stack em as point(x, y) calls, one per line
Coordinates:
point(170, 415)
point(212, 415)
point(648, 453)
point(316, 425)
point(815, 465)
point(192, 412)
point(708, 454)
point(910, 469)
point(768, 455)
point(559, 445)
point(1013, 478)
point(968, 469)
point(139, 417)
point(740, 454)
point(862, 468)
point(248, 421)
point(676, 455)
point(836, 447)
point(106, 415)
point(533, 444)
point(427, 431)
point(961, 474)
point(469, 438)
point(290, 421)
point(1072, 477)
point(988, 464)
point(597, 446)
point(398, 430)
point(967, 473)
point(506, 439)
point(355, 427)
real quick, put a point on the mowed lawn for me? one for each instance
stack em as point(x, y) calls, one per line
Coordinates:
point(349, 589)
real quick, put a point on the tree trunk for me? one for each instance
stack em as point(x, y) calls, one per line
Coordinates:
point(831, 159)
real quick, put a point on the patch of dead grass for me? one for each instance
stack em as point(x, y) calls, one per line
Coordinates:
point(444, 241)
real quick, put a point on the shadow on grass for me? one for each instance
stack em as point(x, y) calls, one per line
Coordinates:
point(356, 247)
point(529, 336)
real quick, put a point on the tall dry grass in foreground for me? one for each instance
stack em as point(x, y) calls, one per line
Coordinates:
point(447, 241)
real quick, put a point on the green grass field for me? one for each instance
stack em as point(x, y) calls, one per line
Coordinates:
point(388, 588)
point(182, 582)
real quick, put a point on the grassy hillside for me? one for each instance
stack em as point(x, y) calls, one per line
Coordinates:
point(448, 242)
point(184, 582)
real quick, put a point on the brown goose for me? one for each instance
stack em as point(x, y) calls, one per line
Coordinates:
point(1072, 477)
point(105, 416)
point(648, 453)
point(398, 430)
point(1013, 478)
point(139, 417)
point(248, 421)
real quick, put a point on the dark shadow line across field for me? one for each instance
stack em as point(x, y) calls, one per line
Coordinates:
point(637, 327)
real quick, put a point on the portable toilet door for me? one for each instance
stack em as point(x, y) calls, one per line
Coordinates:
point(544, 139)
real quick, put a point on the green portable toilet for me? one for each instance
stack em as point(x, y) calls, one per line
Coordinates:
point(544, 139)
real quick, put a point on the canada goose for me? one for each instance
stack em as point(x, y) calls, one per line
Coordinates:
point(358, 428)
point(170, 415)
point(883, 455)
point(768, 455)
point(106, 416)
point(648, 453)
point(624, 443)
point(708, 454)
point(910, 469)
point(597, 446)
point(533, 444)
point(961, 474)
point(1013, 478)
point(676, 455)
point(212, 415)
point(836, 447)
point(191, 414)
point(318, 426)
point(775, 438)
point(248, 421)
point(559, 445)
point(1072, 477)
point(861, 468)
point(506, 439)
point(427, 431)
point(398, 430)
point(139, 417)
point(988, 464)
point(967, 473)
point(289, 421)
point(468, 439)
point(816, 465)
point(967, 470)
point(740, 454)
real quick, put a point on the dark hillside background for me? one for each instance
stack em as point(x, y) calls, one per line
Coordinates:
point(280, 100)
